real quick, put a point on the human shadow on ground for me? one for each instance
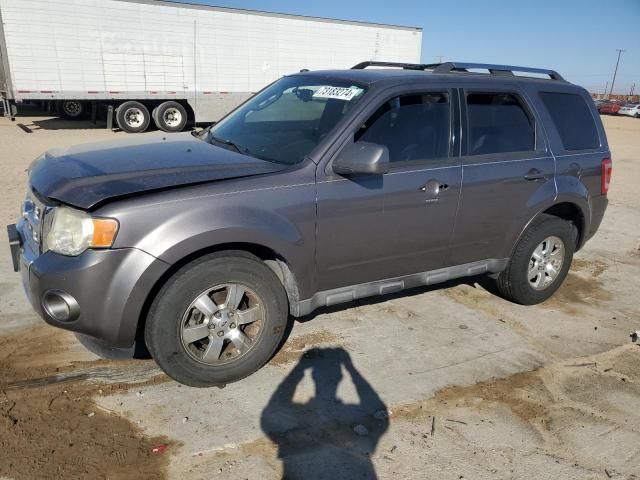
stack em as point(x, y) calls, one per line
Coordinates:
point(316, 440)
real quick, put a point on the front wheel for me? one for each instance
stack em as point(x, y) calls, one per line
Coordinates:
point(540, 261)
point(217, 320)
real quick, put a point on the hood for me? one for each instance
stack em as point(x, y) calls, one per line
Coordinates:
point(87, 175)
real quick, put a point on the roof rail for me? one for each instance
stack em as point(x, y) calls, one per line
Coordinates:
point(404, 66)
point(456, 67)
point(459, 67)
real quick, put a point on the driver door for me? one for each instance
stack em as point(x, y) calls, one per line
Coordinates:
point(373, 227)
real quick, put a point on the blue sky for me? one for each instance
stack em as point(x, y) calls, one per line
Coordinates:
point(578, 38)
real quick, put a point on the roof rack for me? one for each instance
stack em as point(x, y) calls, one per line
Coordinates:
point(404, 66)
point(460, 67)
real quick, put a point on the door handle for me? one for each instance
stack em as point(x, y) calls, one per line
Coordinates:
point(534, 174)
point(434, 187)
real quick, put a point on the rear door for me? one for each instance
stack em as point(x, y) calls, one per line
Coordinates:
point(373, 227)
point(508, 171)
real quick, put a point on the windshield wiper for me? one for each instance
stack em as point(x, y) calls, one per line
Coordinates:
point(235, 146)
point(240, 149)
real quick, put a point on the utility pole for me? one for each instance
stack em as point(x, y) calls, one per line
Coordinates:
point(616, 70)
point(440, 58)
point(606, 87)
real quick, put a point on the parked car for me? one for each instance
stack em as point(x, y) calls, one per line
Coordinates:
point(631, 110)
point(323, 188)
point(610, 108)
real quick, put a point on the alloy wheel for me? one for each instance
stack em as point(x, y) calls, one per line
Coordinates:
point(222, 324)
point(546, 263)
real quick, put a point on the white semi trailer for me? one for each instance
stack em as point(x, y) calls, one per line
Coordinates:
point(167, 62)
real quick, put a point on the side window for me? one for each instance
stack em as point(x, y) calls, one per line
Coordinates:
point(498, 123)
point(572, 119)
point(413, 127)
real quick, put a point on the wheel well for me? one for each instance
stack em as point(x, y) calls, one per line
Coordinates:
point(571, 213)
point(272, 259)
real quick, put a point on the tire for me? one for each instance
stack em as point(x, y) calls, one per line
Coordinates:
point(103, 350)
point(72, 109)
point(170, 117)
point(133, 117)
point(154, 114)
point(516, 283)
point(174, 315)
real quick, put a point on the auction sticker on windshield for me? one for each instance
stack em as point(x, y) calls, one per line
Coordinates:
point(338, 93)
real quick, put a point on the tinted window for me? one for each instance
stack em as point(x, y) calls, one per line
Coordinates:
point(412, 127)
point(572, 119)
point(498, 123)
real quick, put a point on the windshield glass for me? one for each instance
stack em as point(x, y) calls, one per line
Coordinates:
point(287, 120)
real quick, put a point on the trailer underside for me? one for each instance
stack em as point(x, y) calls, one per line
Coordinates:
point(140, 111)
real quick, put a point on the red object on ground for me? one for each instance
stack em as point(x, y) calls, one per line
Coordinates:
point(159, 450)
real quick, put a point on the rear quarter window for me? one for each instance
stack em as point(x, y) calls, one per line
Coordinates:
point(498, 123)
point(573, 120)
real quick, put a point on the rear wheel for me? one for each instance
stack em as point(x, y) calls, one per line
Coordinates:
point(540, 262)
point(170, 117)
point(72, 109)
point(217, 320)
point(133, 117)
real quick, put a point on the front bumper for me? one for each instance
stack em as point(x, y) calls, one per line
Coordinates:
point(110, 287)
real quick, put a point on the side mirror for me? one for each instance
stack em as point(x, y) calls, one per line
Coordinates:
point(362, 158)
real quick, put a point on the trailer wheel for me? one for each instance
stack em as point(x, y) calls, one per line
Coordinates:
point(133, 117)
point(72, 109)
point(170, 117)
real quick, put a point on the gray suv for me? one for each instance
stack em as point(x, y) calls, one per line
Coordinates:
point(323, 188)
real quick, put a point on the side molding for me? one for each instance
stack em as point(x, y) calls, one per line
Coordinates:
point(381, 287)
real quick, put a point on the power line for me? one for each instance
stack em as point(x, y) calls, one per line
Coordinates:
point(616, 70)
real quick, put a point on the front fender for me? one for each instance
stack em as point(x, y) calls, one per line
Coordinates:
point(281, 219)
point(188, 233)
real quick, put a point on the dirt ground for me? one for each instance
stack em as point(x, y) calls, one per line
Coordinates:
point(447, 382)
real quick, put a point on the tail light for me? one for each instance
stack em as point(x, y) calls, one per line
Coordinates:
point(605, 176)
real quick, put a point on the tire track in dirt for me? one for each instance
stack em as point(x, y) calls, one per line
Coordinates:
point(50, 426)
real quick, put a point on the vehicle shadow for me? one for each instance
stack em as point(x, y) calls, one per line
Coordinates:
point(65, 124)
point(325, 438)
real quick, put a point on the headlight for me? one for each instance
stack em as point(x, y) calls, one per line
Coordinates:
point(73, 231)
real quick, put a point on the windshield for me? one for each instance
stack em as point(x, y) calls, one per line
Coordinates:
point(287, 120)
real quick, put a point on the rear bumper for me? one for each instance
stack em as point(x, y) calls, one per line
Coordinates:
point(598, 207)
point(108, 289)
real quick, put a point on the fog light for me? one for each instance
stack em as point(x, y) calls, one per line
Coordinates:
point(60, 306)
